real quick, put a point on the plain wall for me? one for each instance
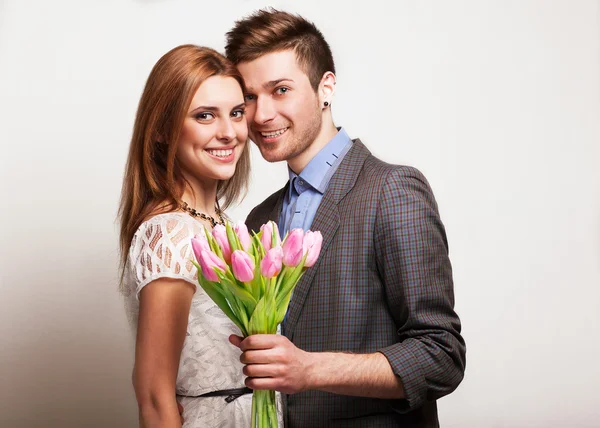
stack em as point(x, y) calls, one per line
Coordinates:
point(497, 102)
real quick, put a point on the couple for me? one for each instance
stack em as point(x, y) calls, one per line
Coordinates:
point(371, 338)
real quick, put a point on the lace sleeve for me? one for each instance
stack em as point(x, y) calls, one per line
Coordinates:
point(161, 248)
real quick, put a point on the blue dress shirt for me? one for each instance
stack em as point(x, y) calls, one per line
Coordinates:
point(306, 190)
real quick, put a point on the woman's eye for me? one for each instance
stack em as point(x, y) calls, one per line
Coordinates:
point(237, 113)
point(205, 116)
point(281, 91)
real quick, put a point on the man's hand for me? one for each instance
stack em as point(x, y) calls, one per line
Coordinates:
point(273, 362)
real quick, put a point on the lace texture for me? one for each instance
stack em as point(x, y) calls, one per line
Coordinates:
point(161, 248)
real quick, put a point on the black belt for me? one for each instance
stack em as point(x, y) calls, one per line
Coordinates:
point(229, 394)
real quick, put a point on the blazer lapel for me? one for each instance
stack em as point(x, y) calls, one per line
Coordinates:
point(327, 221)
point(268, 210)
point(276, 211)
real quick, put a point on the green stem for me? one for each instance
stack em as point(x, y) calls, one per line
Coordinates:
point(254, 410)
point(264, 410)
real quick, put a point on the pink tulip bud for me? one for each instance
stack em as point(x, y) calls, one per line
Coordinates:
point(220, 234)
point(208, 262)
point(268, 230)
point(199, 244)
point(292, 248)
point(312, 244)
point(242, 265)
point(270, 265)
point(241, 231)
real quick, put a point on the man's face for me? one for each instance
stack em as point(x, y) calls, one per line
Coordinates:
point(283, 111)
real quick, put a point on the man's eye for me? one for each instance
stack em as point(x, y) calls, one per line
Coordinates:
point(281, 91)
point(249, 97)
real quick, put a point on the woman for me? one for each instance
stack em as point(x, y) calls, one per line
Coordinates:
point(188, 152)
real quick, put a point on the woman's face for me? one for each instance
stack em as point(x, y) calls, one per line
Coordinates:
point(214, 131)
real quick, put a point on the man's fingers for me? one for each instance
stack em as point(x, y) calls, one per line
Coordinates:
point(262, 370)
point(260, 383)
point(261, 341)
point(261, 356)
point(235, 340)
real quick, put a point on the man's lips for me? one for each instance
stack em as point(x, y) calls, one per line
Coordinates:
point(272, 135)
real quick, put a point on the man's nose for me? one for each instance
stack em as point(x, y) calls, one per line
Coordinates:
point(264, 112)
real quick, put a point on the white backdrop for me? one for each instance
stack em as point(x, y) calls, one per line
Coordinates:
point(497, 102)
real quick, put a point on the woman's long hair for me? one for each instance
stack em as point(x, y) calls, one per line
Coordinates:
point(153, 181)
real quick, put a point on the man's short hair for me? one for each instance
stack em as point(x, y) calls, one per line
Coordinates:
point(271, 30)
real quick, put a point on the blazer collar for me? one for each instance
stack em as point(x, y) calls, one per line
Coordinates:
point(327, 221)
point(345, 177)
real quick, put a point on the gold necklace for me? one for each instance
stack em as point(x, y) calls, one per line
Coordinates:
point(195, 214)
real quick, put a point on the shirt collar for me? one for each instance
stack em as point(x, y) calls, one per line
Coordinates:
point(318, 172)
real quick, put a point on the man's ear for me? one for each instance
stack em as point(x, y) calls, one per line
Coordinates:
point(326, 88)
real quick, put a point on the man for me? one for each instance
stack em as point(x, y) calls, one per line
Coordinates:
point(371, 338)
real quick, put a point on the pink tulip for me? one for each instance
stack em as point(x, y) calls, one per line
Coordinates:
point(241, 231)
point(268, 229)
point(220, 234)
point(292, 248)
point(199, 244)
point(242, 265)
point(208, 262)
point(270, 265)
point(312, 244)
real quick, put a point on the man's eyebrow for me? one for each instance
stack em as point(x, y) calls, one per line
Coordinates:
point(274, 83)
point(270, 84)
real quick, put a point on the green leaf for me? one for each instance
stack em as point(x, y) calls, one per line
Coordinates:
point(274, 236)
point(213, 291)
point(238, 309)
point(287, 288)
point(281, 277)
point(255, 284)
point(239, 292)
point(282, 307)
point(212, 242)
point(245, 322)
point(233, 239)
point(258, 246)
point(258, 321)
point(272, 315)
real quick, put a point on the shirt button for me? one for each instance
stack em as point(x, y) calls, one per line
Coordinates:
point(301, 183)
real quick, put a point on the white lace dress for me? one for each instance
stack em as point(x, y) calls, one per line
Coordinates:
point(161, 248)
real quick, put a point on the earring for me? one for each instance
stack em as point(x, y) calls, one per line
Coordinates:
point(326, 103)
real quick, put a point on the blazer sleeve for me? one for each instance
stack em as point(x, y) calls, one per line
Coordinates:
point(412, 257)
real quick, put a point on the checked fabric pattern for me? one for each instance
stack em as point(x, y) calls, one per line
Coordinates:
point(383, 284)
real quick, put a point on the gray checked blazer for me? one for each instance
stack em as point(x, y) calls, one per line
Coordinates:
point(383, 283)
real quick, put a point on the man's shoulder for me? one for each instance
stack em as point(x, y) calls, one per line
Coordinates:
point(376, 168)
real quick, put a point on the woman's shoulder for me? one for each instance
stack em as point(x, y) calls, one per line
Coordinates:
point(161, 247)
point(169, 221)
point(170, 228)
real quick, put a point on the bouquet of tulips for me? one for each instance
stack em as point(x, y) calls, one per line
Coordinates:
point(251, 278)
